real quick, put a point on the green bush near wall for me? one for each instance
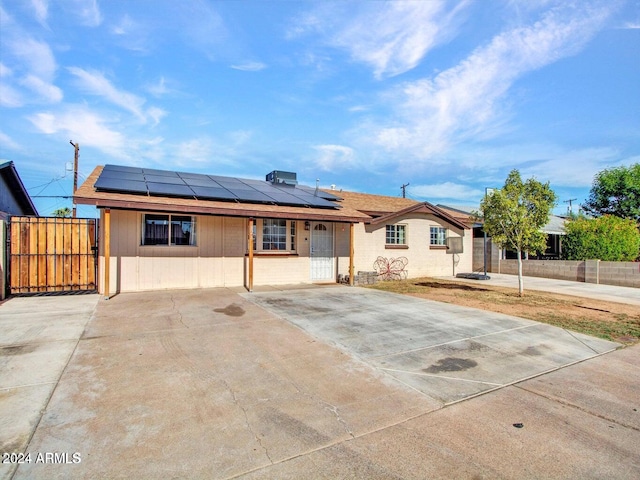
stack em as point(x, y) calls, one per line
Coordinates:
point(607, 238)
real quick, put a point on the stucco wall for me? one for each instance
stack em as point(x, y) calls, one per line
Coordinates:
point(422, 260)
point(218, 260)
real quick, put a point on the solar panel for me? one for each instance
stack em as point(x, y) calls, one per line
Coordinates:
point(164, 173)
point(164, 179)
point(287, 199)
point(151, 181)
point(122, 175)
point(213, 193)
point(251, 196)
point(118, 185)
point(121, 168)
point(201, 182)
point(169, 189)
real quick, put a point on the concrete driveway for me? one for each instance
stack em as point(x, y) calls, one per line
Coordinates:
point(209, 384)
point(444, 351)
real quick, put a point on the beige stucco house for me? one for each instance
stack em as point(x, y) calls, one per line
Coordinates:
point(157, 241)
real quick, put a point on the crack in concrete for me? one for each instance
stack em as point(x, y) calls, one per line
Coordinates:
point(333, 409)
point(248, 424)
point(173, 302)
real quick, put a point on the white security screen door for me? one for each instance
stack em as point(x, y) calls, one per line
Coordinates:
point(322, 259)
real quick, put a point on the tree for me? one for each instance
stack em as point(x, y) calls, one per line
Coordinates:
point(615, 191)
point(62, 212)
point(514, 215)
point(607, 238)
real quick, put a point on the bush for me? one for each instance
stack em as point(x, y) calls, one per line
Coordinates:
point(607, 238)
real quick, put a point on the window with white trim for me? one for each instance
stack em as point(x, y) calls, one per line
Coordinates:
point(396, 235)
point(163, 229)
point(274, 235)
point(438, 236)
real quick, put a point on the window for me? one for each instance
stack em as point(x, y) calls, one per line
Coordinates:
point(274, 235)
point(438, 236)
point(396, 235)
point(168, 229)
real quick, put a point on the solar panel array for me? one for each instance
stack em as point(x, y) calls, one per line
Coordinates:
point(148, 181)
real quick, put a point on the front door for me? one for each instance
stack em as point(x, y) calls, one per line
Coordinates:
point(322, 258)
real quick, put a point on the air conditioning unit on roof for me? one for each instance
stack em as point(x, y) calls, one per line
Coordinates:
point(278, 176)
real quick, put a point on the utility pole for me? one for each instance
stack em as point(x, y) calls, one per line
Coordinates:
point(76, 147)
point(570, 202)
point(404, 190)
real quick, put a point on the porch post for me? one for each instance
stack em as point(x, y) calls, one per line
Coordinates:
point(107, 250)
point(250, 242)
point(351, 251)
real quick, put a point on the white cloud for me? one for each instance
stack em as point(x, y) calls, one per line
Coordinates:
point(124, 27)
point(35, 55)
point(95, 83)
point(445, 190)
point(250, 66)
point(47, 91)
point(87, 11)
point(465, 101)
point(156, 114)
point(7, 142)
point(83, 126)
point(41, 10)
point(391, 37)
point(330, 157)
point(10, 97)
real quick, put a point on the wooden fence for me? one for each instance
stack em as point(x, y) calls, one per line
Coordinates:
point(50, 254)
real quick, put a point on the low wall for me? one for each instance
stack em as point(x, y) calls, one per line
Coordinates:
point(624, 274)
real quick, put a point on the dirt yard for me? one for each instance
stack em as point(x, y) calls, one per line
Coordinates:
point(612, 321)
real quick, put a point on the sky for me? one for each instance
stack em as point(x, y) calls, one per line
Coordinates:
point(445, 96)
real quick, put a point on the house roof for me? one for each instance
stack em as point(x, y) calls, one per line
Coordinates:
point(374, 205)
point(88, 194)
point(555, 225)
point(11, 178)
point(383, 208)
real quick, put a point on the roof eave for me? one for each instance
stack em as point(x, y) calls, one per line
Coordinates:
point(424, 205)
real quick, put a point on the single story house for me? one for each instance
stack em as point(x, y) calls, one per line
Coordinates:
point(14, 201)
point(163, 229)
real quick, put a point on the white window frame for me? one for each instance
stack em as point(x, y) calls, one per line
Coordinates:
point(170, 220)
point(440, 236)
point(289, 232)
point(396, 238)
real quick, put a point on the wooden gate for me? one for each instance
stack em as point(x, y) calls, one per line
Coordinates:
point(50, 254)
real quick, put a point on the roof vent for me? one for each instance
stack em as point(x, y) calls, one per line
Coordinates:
point(278, 176)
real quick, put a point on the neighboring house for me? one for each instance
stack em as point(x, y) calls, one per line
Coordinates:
point(14, 200)
point(162, 229)
point(554, 230)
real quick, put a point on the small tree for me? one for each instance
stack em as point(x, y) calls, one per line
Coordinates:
point(514, 215)
point(615, 191)
point(62, 212)
point(607, 238)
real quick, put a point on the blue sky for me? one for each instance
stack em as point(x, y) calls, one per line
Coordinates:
point(447, 96)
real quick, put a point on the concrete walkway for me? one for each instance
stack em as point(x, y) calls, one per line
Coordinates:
point(208, 384)
point(609, 293)
point(37, 338)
